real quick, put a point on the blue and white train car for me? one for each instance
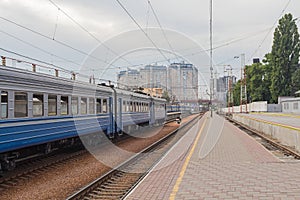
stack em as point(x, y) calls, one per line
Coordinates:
point(41, 112)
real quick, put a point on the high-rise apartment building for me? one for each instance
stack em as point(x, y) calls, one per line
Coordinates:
point(180, 80)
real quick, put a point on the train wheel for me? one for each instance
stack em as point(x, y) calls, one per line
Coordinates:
point(8, 165)
point(48, 148)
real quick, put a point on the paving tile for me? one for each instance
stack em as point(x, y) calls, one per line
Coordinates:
point(236, 168)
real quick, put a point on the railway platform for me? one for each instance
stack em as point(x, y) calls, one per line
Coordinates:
point(216, 160)
point(283, 119)
point(283, 127)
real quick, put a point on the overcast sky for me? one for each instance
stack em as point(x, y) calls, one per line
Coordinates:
point(238, 27)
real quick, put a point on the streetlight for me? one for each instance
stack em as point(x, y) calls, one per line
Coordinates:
point(243, 97)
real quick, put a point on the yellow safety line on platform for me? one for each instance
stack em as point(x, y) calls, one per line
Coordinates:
point(277, 114)
point(272, 123)
point(184, 167)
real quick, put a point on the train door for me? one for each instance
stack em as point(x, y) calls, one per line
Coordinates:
point(120, 113)
point(111, 126)
point(152, 113)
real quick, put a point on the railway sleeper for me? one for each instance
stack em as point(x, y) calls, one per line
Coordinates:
point(115, 187)
point(111, 193)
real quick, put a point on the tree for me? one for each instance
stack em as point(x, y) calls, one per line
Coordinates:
point(166, 96)
point(284, 57)
point(296, 81)
point(258, 82)
point(237, 93)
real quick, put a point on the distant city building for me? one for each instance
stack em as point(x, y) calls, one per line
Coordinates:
point(180, 80)
point(256, 60)
point(183, 81)
point(152, 76)
point(221, 87)
point(129, 78)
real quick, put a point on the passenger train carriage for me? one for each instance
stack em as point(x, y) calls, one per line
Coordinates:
point(40, 112)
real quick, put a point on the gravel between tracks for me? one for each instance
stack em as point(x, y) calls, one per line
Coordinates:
point(60, 182)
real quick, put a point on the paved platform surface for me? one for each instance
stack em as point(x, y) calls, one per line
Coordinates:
point(225, 163)
point(279, 118)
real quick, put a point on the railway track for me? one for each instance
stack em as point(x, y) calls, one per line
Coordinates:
point(35, 167)
point(279, 150)
point(118, 182)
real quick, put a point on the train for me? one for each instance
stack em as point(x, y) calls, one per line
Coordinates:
point(41, 112)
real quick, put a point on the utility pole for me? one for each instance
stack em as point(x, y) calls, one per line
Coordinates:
point(230, 92)
point(243, 99)
point(211, 57)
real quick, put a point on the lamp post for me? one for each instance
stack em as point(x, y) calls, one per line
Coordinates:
point(243, 97)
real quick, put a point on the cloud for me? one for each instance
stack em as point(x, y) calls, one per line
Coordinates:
point(231, 19)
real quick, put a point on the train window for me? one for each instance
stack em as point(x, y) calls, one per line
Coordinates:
point(104, 108)
point(64, 105)
point(21, 104)
point(91, 106)
point(124, 106)
point(98, 105)
point(129, 106)
point(74, 105)
point(52, 105)
point(83, 105)
point(38, 105)
point(4, 107)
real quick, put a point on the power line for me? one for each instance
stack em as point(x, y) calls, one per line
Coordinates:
point(38, 48)
point(132, 18)
point(52, 39)
point(147, 16)
point(56, 23)
point(34, 59)
point(259, 46)
point(84, 29)
point(164, 34)
point(207, 50)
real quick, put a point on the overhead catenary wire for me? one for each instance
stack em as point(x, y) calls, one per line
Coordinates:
point(270, 30)
point(85, 29)
point(38, 48)
point(147, 16)
point(143, 31)
point(34, 59)
point(158, 22)
point(57, 41)
point(207, 50)
point(56, 23)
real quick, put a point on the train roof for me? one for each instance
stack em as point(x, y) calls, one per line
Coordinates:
point(20, 80)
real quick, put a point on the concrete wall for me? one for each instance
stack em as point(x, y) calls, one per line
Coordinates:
point(274, 108)
point(259, 106)
point(286, 135)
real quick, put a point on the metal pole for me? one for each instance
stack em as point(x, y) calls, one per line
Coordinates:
point(211, 59)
